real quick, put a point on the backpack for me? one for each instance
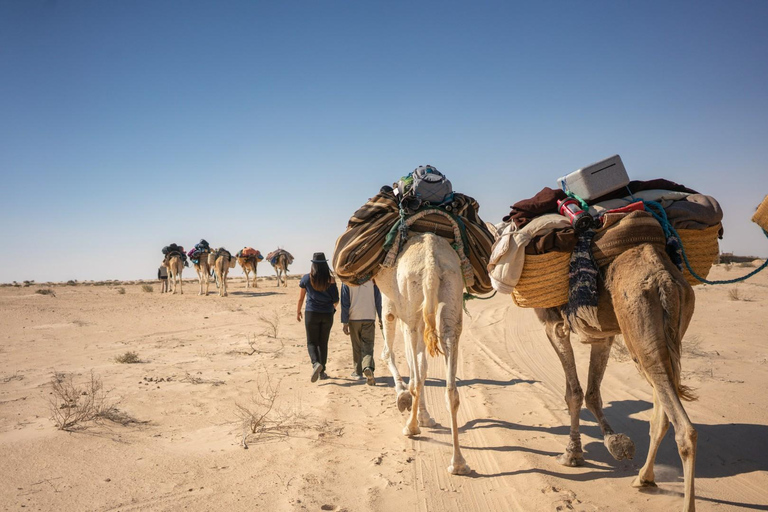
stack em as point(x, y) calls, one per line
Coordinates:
point(424, 185)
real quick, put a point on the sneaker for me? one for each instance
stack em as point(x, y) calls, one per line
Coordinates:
point(369, 378)
point(316, 369)
point(355, 375)
point(324, 376)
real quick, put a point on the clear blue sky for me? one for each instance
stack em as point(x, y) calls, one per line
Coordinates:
point(127, 125)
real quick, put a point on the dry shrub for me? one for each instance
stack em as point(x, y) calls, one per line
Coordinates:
point(263, 417)
point(129, 357)
point(253, 350)
point(272, 321)
point(72, 282)
point(121, 290)
point(747, 264)
point(75, 406)
point(735, 294)
point(147, 288)
point(728, 267)
point(45, 291)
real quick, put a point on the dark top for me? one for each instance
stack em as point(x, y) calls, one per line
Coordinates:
point(320, 302)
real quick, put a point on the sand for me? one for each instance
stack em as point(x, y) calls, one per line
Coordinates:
point(340, 446)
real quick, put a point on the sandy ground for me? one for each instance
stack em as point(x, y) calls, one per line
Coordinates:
point(340, 446)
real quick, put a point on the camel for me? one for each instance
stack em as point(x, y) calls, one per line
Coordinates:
point(646, 299)
point(423, 293)
point(222, 257)
point(203, 271)
point(281, 268)
point(175, 265)
point(249, 264)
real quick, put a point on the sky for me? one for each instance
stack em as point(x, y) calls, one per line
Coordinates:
point(128, 125)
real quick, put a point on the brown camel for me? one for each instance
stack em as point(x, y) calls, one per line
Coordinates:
point(203, 271)
point(222, 258)
point(281, 268)
point(175, 265)
point(646, 299)
point(249, 264)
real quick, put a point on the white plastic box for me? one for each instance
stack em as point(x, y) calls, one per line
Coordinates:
point(595, 180)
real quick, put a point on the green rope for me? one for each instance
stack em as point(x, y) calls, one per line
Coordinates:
point(661, 216)
point(583, 203)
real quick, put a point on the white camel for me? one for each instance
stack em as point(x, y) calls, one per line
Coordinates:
point(423, 291)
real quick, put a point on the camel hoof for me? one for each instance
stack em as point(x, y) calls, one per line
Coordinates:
point(408, 431)
point(459, 469)
point(639, 483)
point(404, 401)
point(571, 460)
point(427, 421)
point(620, 446)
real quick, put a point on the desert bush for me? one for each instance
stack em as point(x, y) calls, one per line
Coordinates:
point(74, 407)
point(747, 264)
point(129, 357)
point(147, 288)
point(45, 291)
point(728, 267)
point(734, 294)
point(272, 321)
point(72, 282)
point(121, 290)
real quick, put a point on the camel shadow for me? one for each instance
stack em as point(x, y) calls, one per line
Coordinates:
point(724, 449)
point(254, 294)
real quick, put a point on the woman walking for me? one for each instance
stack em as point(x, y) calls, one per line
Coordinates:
point(322, 295)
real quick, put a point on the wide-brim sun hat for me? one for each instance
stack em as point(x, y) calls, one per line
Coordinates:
point(319, 257)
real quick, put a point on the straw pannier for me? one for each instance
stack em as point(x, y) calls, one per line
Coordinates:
point(701, 248)
point(232, 262)
point(761, 215)
point(211, 258)
point(544, 281)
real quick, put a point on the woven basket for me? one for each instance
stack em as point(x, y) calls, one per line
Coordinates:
point(702, 248)
point(232, 262)
point(544, 281)
point(761, 215)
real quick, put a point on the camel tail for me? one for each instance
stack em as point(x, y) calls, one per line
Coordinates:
point(672, 295)
point(431, 286)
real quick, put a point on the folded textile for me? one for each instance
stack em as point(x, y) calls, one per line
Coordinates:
point(508, 254)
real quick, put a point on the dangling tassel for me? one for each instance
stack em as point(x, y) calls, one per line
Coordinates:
point(582, 281)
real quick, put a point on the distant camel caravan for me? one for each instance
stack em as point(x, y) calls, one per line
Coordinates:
point(647, 300)
point(221, 260)
point(249, 259)
point(427, 273)
point(175, 265)
point(280, 259)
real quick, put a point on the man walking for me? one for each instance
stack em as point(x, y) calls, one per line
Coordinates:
point(360, 305)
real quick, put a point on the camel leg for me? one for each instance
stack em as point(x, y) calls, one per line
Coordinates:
point(619, 446)
point(415, 357)
point(255, 283)
point(181, 284)
point(451, 348)
point(404, 399)
point(224, 281)
point(560, 338)
point(247, 279)
point(207, 278)
point(659, 427)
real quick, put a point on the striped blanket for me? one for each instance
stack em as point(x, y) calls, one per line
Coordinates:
point(372, 230)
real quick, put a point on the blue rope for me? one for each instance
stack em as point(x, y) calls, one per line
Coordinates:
point(661, 216)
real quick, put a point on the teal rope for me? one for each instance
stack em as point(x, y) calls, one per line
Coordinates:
point(583, 203)
point(661, 216)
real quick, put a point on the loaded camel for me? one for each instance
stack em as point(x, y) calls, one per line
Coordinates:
point(249, 263)
point(203, 270)
point(280, 263)
point(175, 265)
point(646, 299)
point(423, 292)
point(221, 264)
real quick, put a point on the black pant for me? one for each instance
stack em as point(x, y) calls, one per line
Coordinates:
point(318, 327)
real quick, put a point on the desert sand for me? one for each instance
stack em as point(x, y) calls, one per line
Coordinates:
point(340, 446)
